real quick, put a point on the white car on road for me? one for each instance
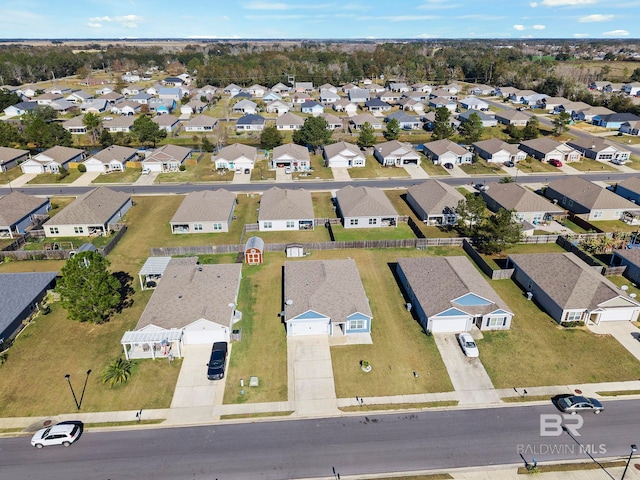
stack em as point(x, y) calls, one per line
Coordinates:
point(469, 347)
point(61, 434)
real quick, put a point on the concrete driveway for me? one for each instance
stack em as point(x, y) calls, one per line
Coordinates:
point(416, 171)
point(340, 174)
point(147, 179)
point(311, 386)
point(626, 333)
point(22, 180)
point(468, 376)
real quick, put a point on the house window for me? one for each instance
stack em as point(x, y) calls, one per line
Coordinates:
point(573, 317)
point(496, 322)
point(197, 227)
point(54, 230)
point(268, 224)
point(373, 221)
point(357, 324)
point(217, 226)
point(78, 230)
point(291, 224)
point(353, 221)
point(597, 214)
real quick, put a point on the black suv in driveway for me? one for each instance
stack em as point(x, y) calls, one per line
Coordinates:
point(218, 361)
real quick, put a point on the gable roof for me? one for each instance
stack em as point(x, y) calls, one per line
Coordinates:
point(589, 194)
point(94, 207)
point(438, 281)
point(8, 154)
point(205, 206)
point(18, 291)
point(330, 287)
point(201, 121)
point(237, 150)
point(184, 295)
point(364, 202)
point(512, 115)
point(440, 147)
point(543, 145)
point(289, 119)
point(434, 196)
point(58, 154)
point(17, 205)
point(514, 196)
point(394, 147)
point(566, 279)
point(170, 152)
point(291, 149)
point(334, 149)
point(494, 145)
point(251, 120)
point(595, 144)
point(115, 152)
point(632, 184)
point(285, 204)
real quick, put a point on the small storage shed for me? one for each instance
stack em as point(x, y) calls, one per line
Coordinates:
point(294, 250)
point(253, 251)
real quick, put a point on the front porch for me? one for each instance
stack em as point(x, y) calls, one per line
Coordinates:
point(152, 344)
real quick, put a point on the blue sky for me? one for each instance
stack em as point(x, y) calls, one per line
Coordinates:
point(320, 19)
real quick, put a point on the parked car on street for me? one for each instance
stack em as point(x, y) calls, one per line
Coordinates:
point(575, 403)
point(64, 433)
point(218, 361)
point(468, 345)
point(555, 163)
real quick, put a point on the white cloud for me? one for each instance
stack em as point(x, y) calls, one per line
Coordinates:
point(533, 4)
point(94, 25)
point(283, 16)
point(616, 33)
point(127, 21)
point(518, 27)
point(100, 19)
point(563, 3)
point(539, 27)
point(266, 6)
point(596, 18)
point(580, 35)
point(437, 5)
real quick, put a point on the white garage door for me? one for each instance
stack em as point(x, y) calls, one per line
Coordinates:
point(203, 336)
point(31, 169)
point(617, 314)
point(94, 167)
point(449, 325)
point(309, 328)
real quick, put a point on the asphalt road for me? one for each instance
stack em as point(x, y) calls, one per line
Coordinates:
point(314, 448)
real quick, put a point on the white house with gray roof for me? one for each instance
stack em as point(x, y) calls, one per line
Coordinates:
point(92, 213)
point(167, 158)
point(52, 160)
point(111, 159)
point(445, 151)
point(601, 149)
point(343, 155)
point(18, 211)
point(495, 150)
point(365, 207)
point(284, 209)
point(571, 291)
point(291, 155)
point(208, 211)
point(588, 200)
point(11, 157)
point(325, 297)
point(236, 156)
point(21, 295)
point(192, 304)
point(289, 121)
point(396, 154)
point(434, 202)
point(526, 205)
point(200, 123)
point(449, 295)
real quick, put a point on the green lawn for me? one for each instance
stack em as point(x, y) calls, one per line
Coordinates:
point(588, 165)
point(319, 170)
point(203, 171)
point(10, 175)
point(614, 226)
point(373, 169)
point(433, 170)
point(50, 178)
point(323, 205)
point(536, 351)
point(531, 165)
point(481, 167)
point(129, 175)
point(572, 226)
point(342, 234)
point(261, 171)
point(67, 242)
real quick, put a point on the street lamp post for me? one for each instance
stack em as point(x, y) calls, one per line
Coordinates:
point(75, 399)
point(634, 449)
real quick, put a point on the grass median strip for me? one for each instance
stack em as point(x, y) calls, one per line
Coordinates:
point(256, 415)
point(155, 421)
point(570, 467)
point(617, 393)
point(399, 406)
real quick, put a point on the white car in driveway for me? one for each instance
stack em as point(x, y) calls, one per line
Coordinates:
point(61, 434)
point(468, 345)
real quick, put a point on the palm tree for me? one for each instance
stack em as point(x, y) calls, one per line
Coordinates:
point(118, 371)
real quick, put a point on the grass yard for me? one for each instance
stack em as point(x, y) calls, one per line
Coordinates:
point(614, 226)
point(318, 234)
point(499, 260)
point(263, 349)
point(531, 165)
point(54, 346)
point(323, 205)
point(51, 178)
point(544, 353)
point(58, 203)
point(67, 242)
point(261, 171)
point(432, 169)
point(481, 167)
point(319, 170)
point(589, 165)
point(10, 175)
point(373, 169)
point(129, 175)
point(203, 171)
point(342, 234)
point(572, 226)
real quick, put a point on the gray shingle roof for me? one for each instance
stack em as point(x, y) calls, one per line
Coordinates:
point(440, 147)
point(335, 148)
point(632, 184)
point(435, 197)
point(17, 291)
point(494, 145)
point(330, 287)
point(364, 202)
point(589, 194)
point(188, 292)
point(237, 150)
point(566, 279)
point(93, 208)
point(115, 152)
point(437, 281)
point(17, 205)
point(8, 154)
point(59, 154)
point(297, 152)
point(279, 204)
point(514, 196)
point(205, 206)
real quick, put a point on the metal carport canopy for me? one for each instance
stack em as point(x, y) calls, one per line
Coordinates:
point(153, 266)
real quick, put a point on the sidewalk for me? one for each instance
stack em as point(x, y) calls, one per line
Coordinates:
point(22, 180)
point(85, 179)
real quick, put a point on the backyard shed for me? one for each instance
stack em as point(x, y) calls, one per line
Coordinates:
point(253, 251)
